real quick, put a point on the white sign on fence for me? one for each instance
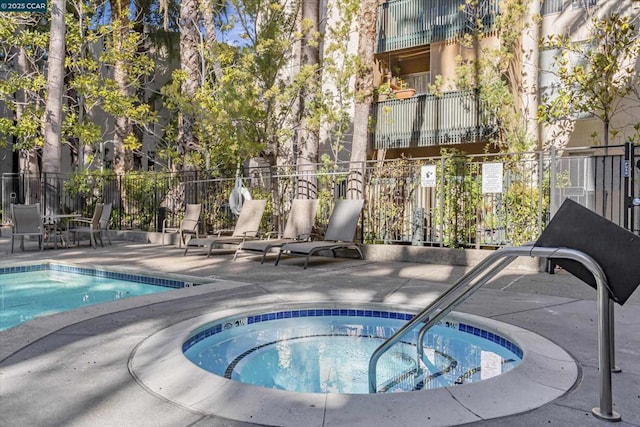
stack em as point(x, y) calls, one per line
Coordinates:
point(492, 178)
point(428, 176)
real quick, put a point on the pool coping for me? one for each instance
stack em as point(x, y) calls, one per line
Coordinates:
point(159, 366)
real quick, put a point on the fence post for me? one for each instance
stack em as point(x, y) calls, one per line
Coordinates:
point(43, 192)
point(155, 202)
point(628, 174)
point(553, 208)
point(119, 178)
point(441, 203)
point(541, 191)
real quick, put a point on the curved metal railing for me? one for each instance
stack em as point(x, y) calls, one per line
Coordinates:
point(468, 284)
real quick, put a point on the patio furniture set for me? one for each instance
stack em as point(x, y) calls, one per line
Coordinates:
point(296, 239)
point(28, 221)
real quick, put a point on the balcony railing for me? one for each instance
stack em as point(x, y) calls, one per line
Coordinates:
point(428, 120)
point(551, 6)
point(410, 23)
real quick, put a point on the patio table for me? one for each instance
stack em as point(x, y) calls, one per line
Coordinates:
point(55, 220)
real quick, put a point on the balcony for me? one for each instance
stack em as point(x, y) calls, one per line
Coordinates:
point(404, 24)
point(429, 120)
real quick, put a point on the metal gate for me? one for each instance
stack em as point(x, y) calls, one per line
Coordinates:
point(607, 182)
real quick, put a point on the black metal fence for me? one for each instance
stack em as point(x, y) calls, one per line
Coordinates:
point(455, 201)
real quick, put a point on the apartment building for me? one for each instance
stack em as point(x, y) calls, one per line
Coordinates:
point(419, 41)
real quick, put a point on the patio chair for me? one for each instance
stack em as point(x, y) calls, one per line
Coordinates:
point(27, 221)
point(105, 218)
point(89, 226)
point(340, 233)
point(298, 228)
point(188, 226)
point(246, 228)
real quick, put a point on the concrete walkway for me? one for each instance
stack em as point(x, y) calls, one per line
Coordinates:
point(74, 369)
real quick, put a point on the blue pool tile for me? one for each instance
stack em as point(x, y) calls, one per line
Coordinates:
point(97, 273)
point(319, 312)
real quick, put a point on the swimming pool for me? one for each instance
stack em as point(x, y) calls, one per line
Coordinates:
point(31, 291)
point(323, 350)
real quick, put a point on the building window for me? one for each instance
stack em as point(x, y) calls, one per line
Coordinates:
point(419, 81)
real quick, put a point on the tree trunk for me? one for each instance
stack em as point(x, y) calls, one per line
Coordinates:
point(52, 151)
point(122, 158)
point(364, 97)
point(209, 24)
point(28, 160)
point(531, 72)
point(189, 63)
point(307, 138)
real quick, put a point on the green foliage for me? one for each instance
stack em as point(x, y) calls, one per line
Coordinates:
point(594, 75)
point(329, 178)
point(391, 198)
point(493, 75)
point(248, 108)
point(471, 218)
point(85, 189)
point(245, 110)
point(22, 36)
point(459, 191)
point(147, 191)
point(89, 83)
point(338, 69)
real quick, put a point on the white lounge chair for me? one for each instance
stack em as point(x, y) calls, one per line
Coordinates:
point(246, 228)
point(298, 228)
point(340, 233)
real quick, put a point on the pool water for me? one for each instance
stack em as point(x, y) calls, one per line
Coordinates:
point(30, 294)
point(330, 354)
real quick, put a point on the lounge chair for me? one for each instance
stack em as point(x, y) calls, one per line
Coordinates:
point(246, 228)
point(27, 221)
point(298, 228)
point(89, 226)
point(340, 233)
point(188, 225)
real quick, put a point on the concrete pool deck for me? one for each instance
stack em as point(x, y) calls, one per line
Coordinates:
point(74, 369)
